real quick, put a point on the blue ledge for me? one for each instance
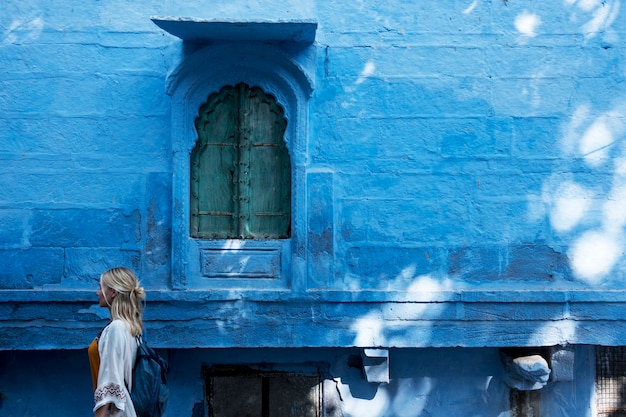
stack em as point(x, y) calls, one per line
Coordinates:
point(68, 319)
point(495, 296)
point(202, 30)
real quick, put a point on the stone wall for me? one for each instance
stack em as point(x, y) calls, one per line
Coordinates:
point(458, 177)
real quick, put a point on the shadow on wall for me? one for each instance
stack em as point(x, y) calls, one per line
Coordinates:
point(426, 382)
point(65, 377)
point(587, 207)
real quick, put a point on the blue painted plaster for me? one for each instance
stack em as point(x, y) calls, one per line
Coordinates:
point(458, 172)
point(432, 382)
point(475, 149)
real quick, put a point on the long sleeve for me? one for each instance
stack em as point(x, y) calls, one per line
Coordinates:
point(117, 349)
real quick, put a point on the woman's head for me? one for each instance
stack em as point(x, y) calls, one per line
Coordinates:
point(122, 293)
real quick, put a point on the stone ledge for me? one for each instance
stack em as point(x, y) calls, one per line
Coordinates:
point(185, 319)
point(203, 30)
point(246, 333)
point(504, 295)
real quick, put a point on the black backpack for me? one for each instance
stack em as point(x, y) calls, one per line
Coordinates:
point(149, 392)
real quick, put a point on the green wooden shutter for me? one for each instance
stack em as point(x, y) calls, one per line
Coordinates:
point(240, 168)
point(270, 168)
point(213, 170)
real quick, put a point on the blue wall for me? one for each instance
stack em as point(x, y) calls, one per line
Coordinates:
point(464, 159)
point(424, 382)
point(458, 170)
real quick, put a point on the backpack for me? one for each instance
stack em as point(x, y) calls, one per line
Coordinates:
point(149, 391)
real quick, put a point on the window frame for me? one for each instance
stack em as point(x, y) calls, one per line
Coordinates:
point(200, 75)
point(215, 372)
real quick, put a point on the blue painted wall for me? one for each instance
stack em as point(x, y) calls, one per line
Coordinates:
point(458, 171)
point(424, 382)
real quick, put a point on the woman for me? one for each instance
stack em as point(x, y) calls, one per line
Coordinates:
point(112, 354)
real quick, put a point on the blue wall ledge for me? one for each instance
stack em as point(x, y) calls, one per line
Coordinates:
point(191, 29)
point(493, 295)
point(69, 319)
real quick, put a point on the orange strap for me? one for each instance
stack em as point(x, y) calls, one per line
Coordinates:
point(94, 362)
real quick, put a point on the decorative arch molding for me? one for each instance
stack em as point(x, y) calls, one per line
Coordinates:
point(189, 85)
point(261, 65)
point(232, 56)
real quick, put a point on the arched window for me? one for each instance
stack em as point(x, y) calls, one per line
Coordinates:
point(240, 168)
point(239, 186)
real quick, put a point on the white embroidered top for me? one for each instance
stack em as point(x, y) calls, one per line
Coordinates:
point(117, 349)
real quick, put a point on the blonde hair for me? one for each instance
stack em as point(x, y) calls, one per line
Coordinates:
point(129, 302)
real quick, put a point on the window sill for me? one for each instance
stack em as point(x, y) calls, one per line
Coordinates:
point(240, 264)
